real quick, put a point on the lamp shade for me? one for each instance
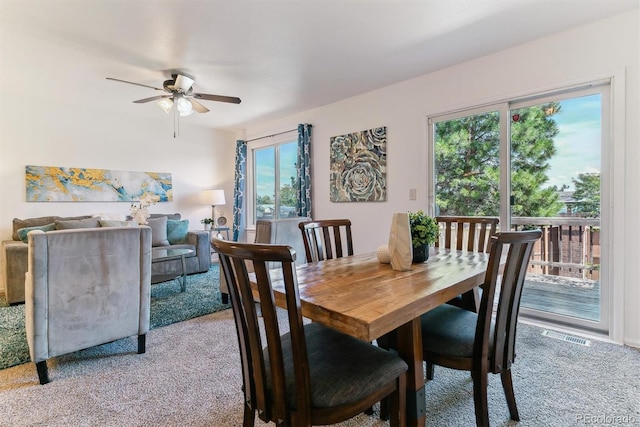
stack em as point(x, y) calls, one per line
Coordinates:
point(184, 106)
point(165, 104)
point(216, 197)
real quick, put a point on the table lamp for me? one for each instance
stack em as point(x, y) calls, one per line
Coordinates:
point(216, 197)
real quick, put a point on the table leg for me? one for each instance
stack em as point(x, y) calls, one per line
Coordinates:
point(410, 349)
point(183, 286)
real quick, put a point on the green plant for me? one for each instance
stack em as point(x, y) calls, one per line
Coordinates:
point(424, 229)
point(206, 221)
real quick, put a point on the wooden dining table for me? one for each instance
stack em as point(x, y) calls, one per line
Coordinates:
point(364, 298)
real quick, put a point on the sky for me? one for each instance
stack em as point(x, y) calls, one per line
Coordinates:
point(578, 145)
point(265, 161)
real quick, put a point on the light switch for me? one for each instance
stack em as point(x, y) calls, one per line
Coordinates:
point(412, 194)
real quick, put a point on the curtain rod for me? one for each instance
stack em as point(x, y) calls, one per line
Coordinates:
point(271, 136)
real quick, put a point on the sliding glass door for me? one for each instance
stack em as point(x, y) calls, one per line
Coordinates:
point(535, 163)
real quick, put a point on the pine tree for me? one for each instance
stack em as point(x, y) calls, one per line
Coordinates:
point(468, 169)
point(587, 194)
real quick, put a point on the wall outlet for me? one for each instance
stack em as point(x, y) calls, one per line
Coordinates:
point(412, 194)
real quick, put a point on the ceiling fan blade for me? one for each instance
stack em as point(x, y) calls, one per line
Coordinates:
point(198, 107)
point(219, 98)
point(183, 83)
point(135, 84)
point(153, 98)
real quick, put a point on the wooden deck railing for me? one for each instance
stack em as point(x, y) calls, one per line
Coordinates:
point(569, 246)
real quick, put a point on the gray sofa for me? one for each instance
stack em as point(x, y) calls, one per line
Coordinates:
point(15, 252)
point(198, 262)
point(275, 231)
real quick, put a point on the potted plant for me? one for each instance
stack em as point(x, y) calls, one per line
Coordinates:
point(207, 223)
point(424, 232)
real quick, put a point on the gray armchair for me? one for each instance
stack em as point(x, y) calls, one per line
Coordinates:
point(86, 287)
point(283, 231)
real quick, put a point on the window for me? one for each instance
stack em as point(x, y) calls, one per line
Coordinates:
point(272, 165)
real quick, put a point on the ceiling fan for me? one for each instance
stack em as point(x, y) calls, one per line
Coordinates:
point(180, 92)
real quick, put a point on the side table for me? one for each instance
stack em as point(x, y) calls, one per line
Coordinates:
point(218, 231)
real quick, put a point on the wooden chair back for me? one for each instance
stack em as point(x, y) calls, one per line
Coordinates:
point(270, 404)
point(326, 239)
point(500, 334)
point(470, 233)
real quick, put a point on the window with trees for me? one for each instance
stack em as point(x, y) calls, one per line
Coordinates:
point(467, 161)
point(273, 169)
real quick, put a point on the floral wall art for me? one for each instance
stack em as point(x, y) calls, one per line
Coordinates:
point(359, 166)
point(62, 184)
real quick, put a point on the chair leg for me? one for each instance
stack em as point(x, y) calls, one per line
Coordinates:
point(43, 372)
point(384, 409)
point(471, 300)
point(480, 383)
point(142, 343)
point(249, 416)
point(429, 371)
point(507, 385)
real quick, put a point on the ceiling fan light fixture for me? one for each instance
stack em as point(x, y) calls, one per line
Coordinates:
point(166, 104)
point(184, 106)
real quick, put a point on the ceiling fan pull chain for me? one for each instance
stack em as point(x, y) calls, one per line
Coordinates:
point(176, 122)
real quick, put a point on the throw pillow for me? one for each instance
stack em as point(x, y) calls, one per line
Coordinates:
point(22, 233)
point(39, 221)
point(78, 223)
point(32, 222)
point(116, 223)
point(169, 216)
point(158, 231)
point(177, 231)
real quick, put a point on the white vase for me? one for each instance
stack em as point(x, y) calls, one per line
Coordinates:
point(400, 248)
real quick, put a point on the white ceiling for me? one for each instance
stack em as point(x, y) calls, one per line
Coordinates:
point(279, 57)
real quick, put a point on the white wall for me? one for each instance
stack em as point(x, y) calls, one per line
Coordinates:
point(48, 131)
point(199, 158)
point(44, 122)
point(608, 48)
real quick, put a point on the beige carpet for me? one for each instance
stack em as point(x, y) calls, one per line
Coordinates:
point(190, 376)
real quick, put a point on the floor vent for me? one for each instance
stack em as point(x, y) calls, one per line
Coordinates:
point(565, 337)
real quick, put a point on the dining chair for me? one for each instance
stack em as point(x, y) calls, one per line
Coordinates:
point(478, 342)
point(312, 374)
point(326, 239)
point(468, 233)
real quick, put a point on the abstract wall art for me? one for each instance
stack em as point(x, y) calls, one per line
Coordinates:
point(359, 166)
point(62, 184)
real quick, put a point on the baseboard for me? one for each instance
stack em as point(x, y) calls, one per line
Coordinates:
point(632, 343)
